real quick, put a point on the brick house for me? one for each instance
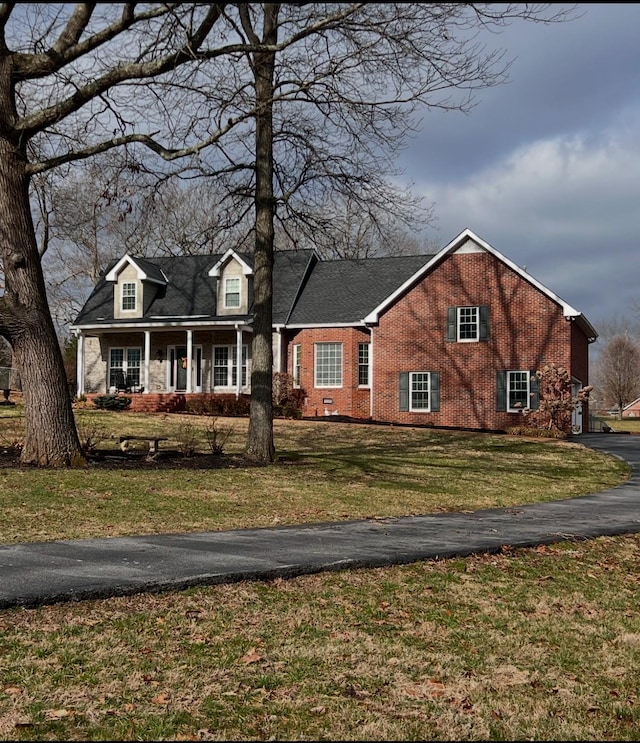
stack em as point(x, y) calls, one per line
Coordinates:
point(449, 339)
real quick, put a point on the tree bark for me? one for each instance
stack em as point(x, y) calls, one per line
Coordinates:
point(51, 438)
point(260, 442)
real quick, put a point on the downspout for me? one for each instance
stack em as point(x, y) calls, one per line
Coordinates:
point(371, 365)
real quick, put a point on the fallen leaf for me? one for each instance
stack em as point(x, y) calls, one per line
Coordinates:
point(57, 714)
point(251, 656)
point(163, 698)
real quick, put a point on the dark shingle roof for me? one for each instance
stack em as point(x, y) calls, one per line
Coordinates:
point(306, 291)
point(346, 291)
point(190, 291)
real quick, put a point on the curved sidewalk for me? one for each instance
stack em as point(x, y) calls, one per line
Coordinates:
point(41, 573)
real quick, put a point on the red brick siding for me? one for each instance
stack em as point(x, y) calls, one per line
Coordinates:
point(349, 399)
point(526, 330)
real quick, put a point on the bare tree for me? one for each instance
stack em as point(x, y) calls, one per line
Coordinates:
point(67, 79)
point(310, 101)
point(336, 88)
point(617, 371)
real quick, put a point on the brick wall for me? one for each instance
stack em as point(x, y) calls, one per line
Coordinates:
point(526, 330)
point(349, 399)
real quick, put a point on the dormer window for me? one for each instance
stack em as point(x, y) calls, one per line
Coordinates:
point(129, 296)
point(232, 293)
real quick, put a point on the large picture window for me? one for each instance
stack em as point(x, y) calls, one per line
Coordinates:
point(328, 365)
point(225, 366)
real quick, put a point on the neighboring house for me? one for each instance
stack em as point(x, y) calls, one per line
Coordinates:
point(632, 410)
point(450, 339)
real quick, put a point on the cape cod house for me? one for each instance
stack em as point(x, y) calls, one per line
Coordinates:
point(449, 339)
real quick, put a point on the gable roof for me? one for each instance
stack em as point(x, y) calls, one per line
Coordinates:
point(146, 270)
point(459, 243)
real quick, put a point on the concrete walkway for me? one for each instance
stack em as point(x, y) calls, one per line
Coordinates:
point(41, 573)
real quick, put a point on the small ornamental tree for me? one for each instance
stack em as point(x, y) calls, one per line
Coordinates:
point(555, 410)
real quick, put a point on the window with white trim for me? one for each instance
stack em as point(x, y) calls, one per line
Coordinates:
point(419, 392)
point(518, 390)
point(129, 296)
point(232, 292)
point(124, 367)
point(468, 324)
point(328, 365)
point(363, 364)
point(297, 365)
point(225, 366)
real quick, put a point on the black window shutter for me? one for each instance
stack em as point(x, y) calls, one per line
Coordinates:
point(484, 322)
point(451, 324)
point(435, 392)
point(534, 389)
point(404, 391)
point(501, 391)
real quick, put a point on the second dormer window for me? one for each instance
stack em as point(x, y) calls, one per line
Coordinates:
point(129, 296)
point(231, 293)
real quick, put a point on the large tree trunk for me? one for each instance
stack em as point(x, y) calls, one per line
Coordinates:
point(260, 444)
point(51, 438)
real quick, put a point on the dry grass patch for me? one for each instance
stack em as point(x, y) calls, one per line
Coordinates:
point(528, 644)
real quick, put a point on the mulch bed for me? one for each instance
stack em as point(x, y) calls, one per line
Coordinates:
point(139, 460)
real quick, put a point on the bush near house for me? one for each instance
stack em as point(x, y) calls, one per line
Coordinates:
point(112, 402)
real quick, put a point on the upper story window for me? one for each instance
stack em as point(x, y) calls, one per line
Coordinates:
point(232, 292)
point(468, 324)
point(328, 365)
point(129, 295)
point(363, 364)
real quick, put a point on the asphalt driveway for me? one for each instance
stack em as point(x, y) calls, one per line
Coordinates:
point(41, 573)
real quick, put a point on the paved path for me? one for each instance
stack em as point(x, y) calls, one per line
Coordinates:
point(48, 572)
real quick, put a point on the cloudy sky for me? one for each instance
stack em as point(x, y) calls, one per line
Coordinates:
point(546, 168)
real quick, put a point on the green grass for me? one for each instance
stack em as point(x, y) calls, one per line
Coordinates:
point(531, 644)
point(326, 471)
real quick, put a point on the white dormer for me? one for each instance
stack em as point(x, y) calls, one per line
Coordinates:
point(233, 274)
point(136, 282)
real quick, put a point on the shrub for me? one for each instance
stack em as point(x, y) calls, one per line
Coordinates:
point(534, 431)
point(287, 399)
point(112, 402)
point(217, 436)
point(90, 433)
point(187, 438)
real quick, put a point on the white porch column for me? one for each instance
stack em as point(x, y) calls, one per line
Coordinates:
point(80, 365)
point(238, 360)
point(278, 359)
point(189, 361)
point(147, 355)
